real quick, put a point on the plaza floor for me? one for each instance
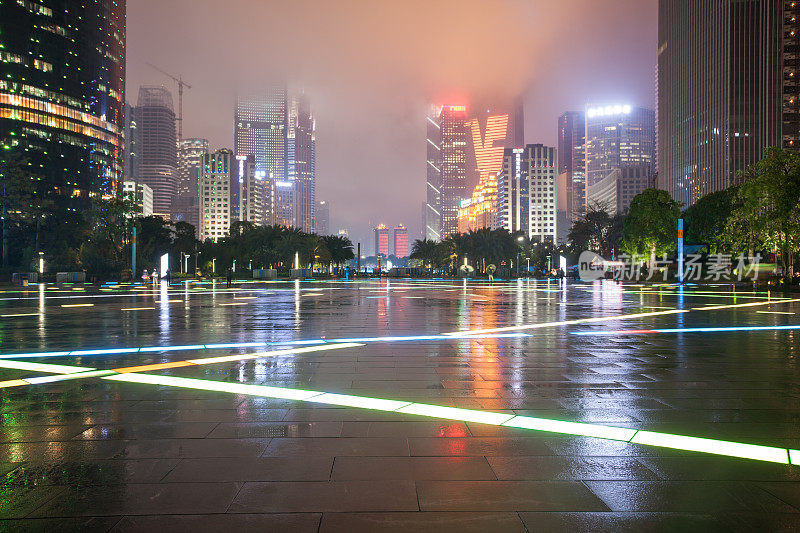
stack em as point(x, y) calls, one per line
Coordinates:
point(399, 405)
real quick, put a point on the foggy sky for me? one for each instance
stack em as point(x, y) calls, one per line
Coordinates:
point(371, 66)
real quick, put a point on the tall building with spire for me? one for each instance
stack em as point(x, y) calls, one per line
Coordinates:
point(157, 154)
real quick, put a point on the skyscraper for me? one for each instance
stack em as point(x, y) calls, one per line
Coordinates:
point(728, 87)
point(454, 164)
point(322, 218)
point(158, 159)
point(250, 189)
point(185, 206)
point(571, 164)
point(432, 210)
point(617, 136)
point(528, 195)
point(141, 195)
point(382, 240)
point(277, 128)
point(215, 195)
point(488, 140)
point(400, 241)
point(62, 94)
point(300, 160)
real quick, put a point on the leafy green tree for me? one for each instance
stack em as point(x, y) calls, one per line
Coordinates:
point(596, 230)
point(650, 227)
point(707, 220)
point(769, 214)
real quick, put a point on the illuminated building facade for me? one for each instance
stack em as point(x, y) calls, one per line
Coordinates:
point(615, 192)
point(432, 209)
point(249, 192)
point(185, 207)
point(382, 240)
point(322, 218)
point(617, 136)
point(527, 192)
point(277, 128)
point(157, 154)
point(480, 211)
point(728, 87)
point(454, 146)
point(215, 195)
point(300, 160)
point(400, 241)
point(62, 95)
point(571, 163)
point(141, 195)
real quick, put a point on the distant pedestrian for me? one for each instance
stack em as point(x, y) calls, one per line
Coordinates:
point(229, 277)
point(166, 276)
point(145, 276)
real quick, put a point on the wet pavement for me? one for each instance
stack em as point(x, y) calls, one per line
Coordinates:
point(181, 433)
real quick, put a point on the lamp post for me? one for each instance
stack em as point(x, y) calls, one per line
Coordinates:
point(213, 266)
point(41, 263)
point(234, 266)
point(519, 240)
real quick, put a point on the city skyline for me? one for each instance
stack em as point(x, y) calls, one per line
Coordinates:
point(375, 118)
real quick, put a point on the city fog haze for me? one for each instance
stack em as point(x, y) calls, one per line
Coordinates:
point(370, 68)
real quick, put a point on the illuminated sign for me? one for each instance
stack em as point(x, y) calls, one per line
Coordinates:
point(465, 203)
point(260, 174)
point(608, 110)
point(455, 107)
point(283, 183)
point(164, 266)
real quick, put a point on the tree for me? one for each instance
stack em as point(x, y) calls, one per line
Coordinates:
point(769, 214)
point(650, 227)
point(339, 248)
point(596, 230)
point(706, 221)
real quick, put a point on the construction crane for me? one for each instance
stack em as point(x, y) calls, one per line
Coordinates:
point(181, 85)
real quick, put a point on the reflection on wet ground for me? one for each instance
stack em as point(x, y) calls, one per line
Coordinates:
point(317, 406)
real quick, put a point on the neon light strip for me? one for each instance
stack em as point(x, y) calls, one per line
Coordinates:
point(104, 351)
point(54, 369)
point(664, 440)
point(686, 330)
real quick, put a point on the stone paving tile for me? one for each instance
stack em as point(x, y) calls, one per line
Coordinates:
point(506, 496)
point(687, 496)
point(569, 468)
point(329, 447)
point(92, 523)
point(421, 522)
point(615, 522)
point(220, 469)
point(411, 468)
point(212, 523)
point(85, 473)
point(325, 496)
point(481, 446)
point(140, 498)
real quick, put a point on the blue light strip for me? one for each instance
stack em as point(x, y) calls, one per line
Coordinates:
point(111, 351)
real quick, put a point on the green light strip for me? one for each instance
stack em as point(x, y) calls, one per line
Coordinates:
point(649, 438)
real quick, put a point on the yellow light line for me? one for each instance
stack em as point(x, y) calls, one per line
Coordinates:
point(19, 314)
point(77, 305)
point(751, 304)
point(137, 308)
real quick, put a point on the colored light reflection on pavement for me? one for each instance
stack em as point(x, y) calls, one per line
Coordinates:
point(649, 438)
point(689, 330)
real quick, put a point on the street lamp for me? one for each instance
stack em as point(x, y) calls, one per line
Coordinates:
point(41, 262)
point(213, 266)
point(250, 265)
point(519, 239)
point(234, 266)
